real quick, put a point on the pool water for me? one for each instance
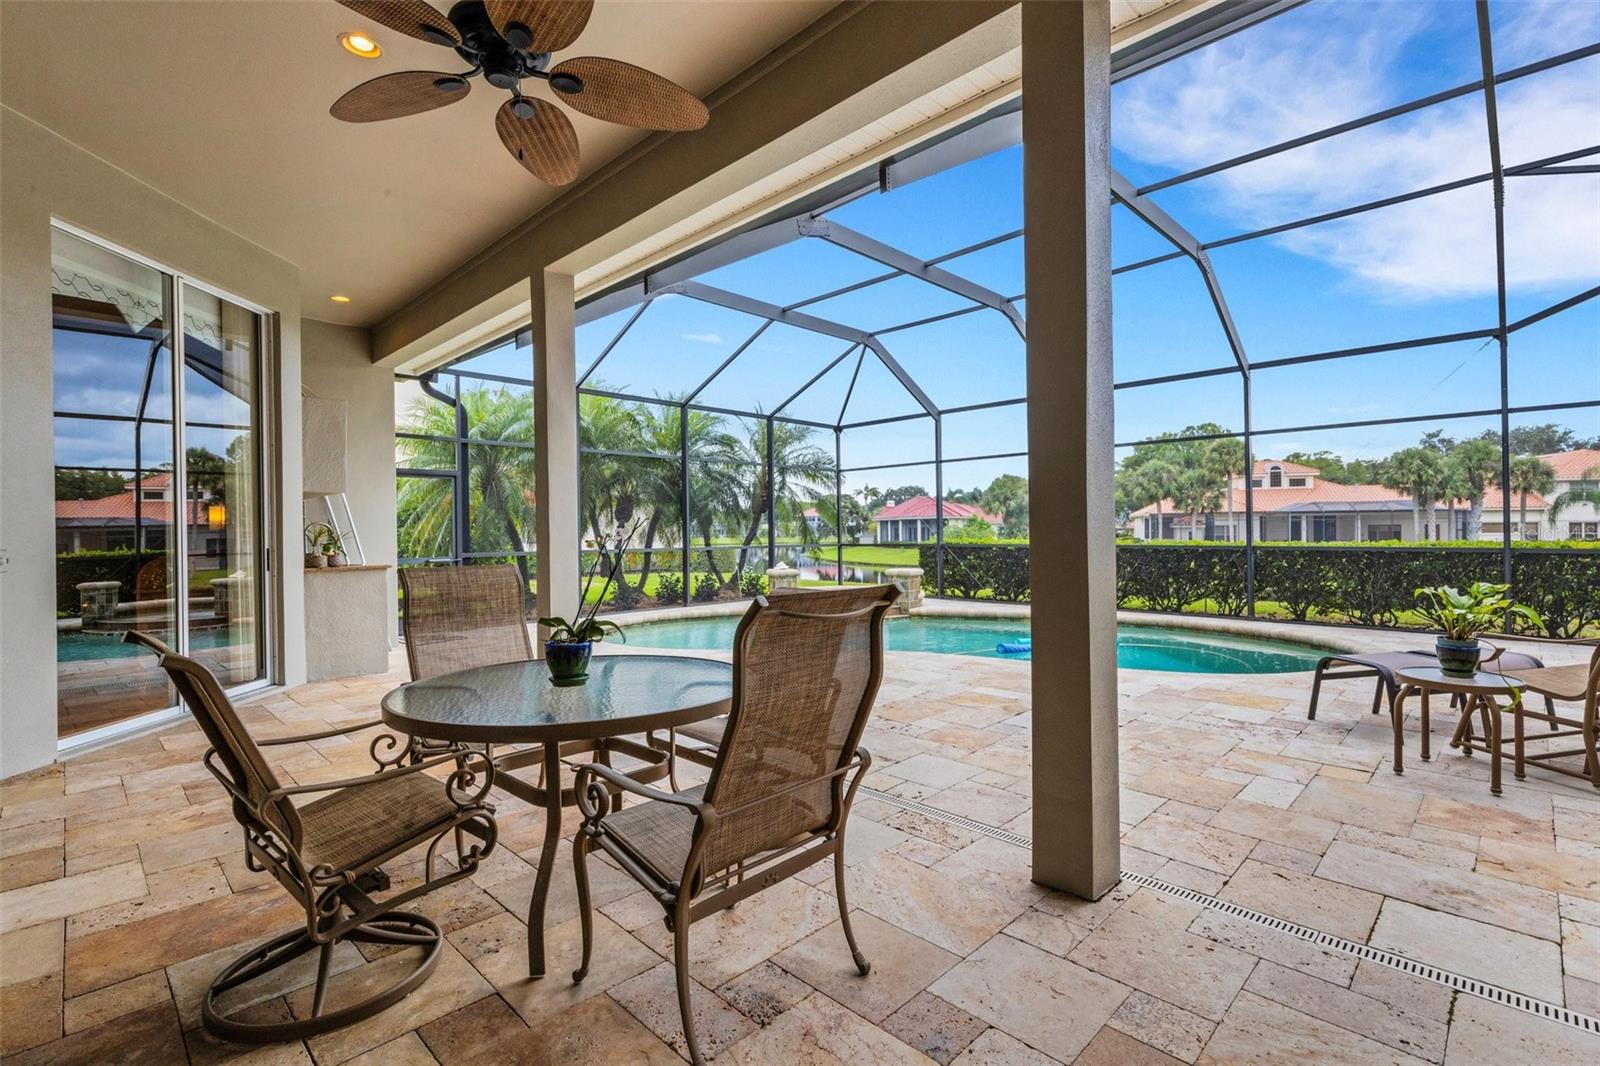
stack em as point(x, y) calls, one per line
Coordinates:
point(1138, 647)
point(78, 647)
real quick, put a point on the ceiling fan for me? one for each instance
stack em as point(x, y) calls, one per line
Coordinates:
point(508, 41)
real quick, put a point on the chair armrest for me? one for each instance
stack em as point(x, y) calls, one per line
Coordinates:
point(325, 734)
point(465, 777)
point(593, 807)
point(862, 760)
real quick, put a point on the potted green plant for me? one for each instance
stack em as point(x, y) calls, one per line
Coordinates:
point(1461, 616)
point(570, 642)
point(324, 546)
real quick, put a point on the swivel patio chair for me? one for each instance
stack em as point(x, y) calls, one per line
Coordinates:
point(323, 852)
point(460, 617)
point(806, 669)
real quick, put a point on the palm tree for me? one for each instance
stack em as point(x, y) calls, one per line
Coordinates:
point(1224, 458)
point(660, 432)
point(499, 474)
point(800, 472)
point(1585, 491)
point(1474, 464)
point(607, 484)
point(1152, 481)
point(1195, 492)
point(1417, 472)
point(1529, 474)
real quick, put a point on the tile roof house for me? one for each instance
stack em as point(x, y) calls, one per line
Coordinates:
point(913, 521)
point(1576, 469)
point(1296, 503)
point(110, 522)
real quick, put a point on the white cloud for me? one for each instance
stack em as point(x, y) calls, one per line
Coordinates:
point(703, 338)
point(1278, 81)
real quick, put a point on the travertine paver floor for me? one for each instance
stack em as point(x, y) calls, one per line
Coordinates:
point(125, 890)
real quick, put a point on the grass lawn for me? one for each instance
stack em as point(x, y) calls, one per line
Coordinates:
point(866, 555)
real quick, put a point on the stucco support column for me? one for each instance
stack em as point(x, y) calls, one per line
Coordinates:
point(1066, 127)
point(555, 441)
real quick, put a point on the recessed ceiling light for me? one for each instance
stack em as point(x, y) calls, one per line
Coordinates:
point(340, 299)
point(360, 44)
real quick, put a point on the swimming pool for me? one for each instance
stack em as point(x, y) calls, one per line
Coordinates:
point(1138, 647)
point(73, 646)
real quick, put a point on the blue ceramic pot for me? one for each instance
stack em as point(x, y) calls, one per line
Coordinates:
point(568, 662)
point(1457, 658)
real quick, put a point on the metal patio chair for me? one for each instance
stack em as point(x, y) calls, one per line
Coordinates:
point(460, 617)
point(806, 669)
point(1574, 684)
point(325, 851)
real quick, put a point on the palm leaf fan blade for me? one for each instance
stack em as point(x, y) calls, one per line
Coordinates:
point(414, 18)
point(619, 92)
point(539, 25)
point(409, 92)
point(544, 142)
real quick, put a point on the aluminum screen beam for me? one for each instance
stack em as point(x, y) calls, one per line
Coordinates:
point(626, 326)
point(1155, 217)
point(737, 352)
point(876, 250)
point(800, 320)
point(1376, 117)
point(818, 376)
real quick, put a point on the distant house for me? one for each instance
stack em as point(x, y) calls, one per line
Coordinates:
point(1575, 469)
point(814, 521)
point(1294, 502)
point(111, 522)
point(915, 519)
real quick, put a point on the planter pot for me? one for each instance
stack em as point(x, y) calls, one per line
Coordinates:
point(1457, 658)
point(568, 662)
point(335, 558)
point(316, 561)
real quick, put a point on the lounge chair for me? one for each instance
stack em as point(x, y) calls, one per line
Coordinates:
point(806, 669)
point(324, 851)
point(1382, 665)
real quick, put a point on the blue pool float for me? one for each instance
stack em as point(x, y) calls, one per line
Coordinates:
point(1015, 647)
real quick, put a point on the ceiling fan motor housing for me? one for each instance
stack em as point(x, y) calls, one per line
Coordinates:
point(505, 61)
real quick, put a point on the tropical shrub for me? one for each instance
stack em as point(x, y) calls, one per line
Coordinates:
point(753, 584)
point(706, 589)
point(669, 588)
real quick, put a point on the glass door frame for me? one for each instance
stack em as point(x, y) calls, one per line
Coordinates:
point(266, 454)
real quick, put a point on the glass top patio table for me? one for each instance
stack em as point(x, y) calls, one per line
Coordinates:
point(517, 703)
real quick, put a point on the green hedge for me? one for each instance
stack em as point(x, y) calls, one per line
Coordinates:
point(971, 571)
point(75, 567)
point(1364, 585)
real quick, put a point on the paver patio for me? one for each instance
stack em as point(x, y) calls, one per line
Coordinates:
point(125, 889)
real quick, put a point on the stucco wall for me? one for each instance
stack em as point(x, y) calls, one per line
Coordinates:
point(336, 364)
point(42, 177)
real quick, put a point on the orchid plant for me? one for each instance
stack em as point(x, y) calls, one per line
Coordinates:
point(584, 627)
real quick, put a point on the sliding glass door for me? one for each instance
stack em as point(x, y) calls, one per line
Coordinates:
point(159, 501)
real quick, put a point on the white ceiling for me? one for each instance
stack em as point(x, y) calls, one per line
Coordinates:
point(223, 105)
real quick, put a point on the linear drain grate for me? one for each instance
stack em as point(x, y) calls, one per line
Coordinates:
point(1459, 982)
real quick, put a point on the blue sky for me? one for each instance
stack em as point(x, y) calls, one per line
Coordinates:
point(1411, 270)
point(1406, 271)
